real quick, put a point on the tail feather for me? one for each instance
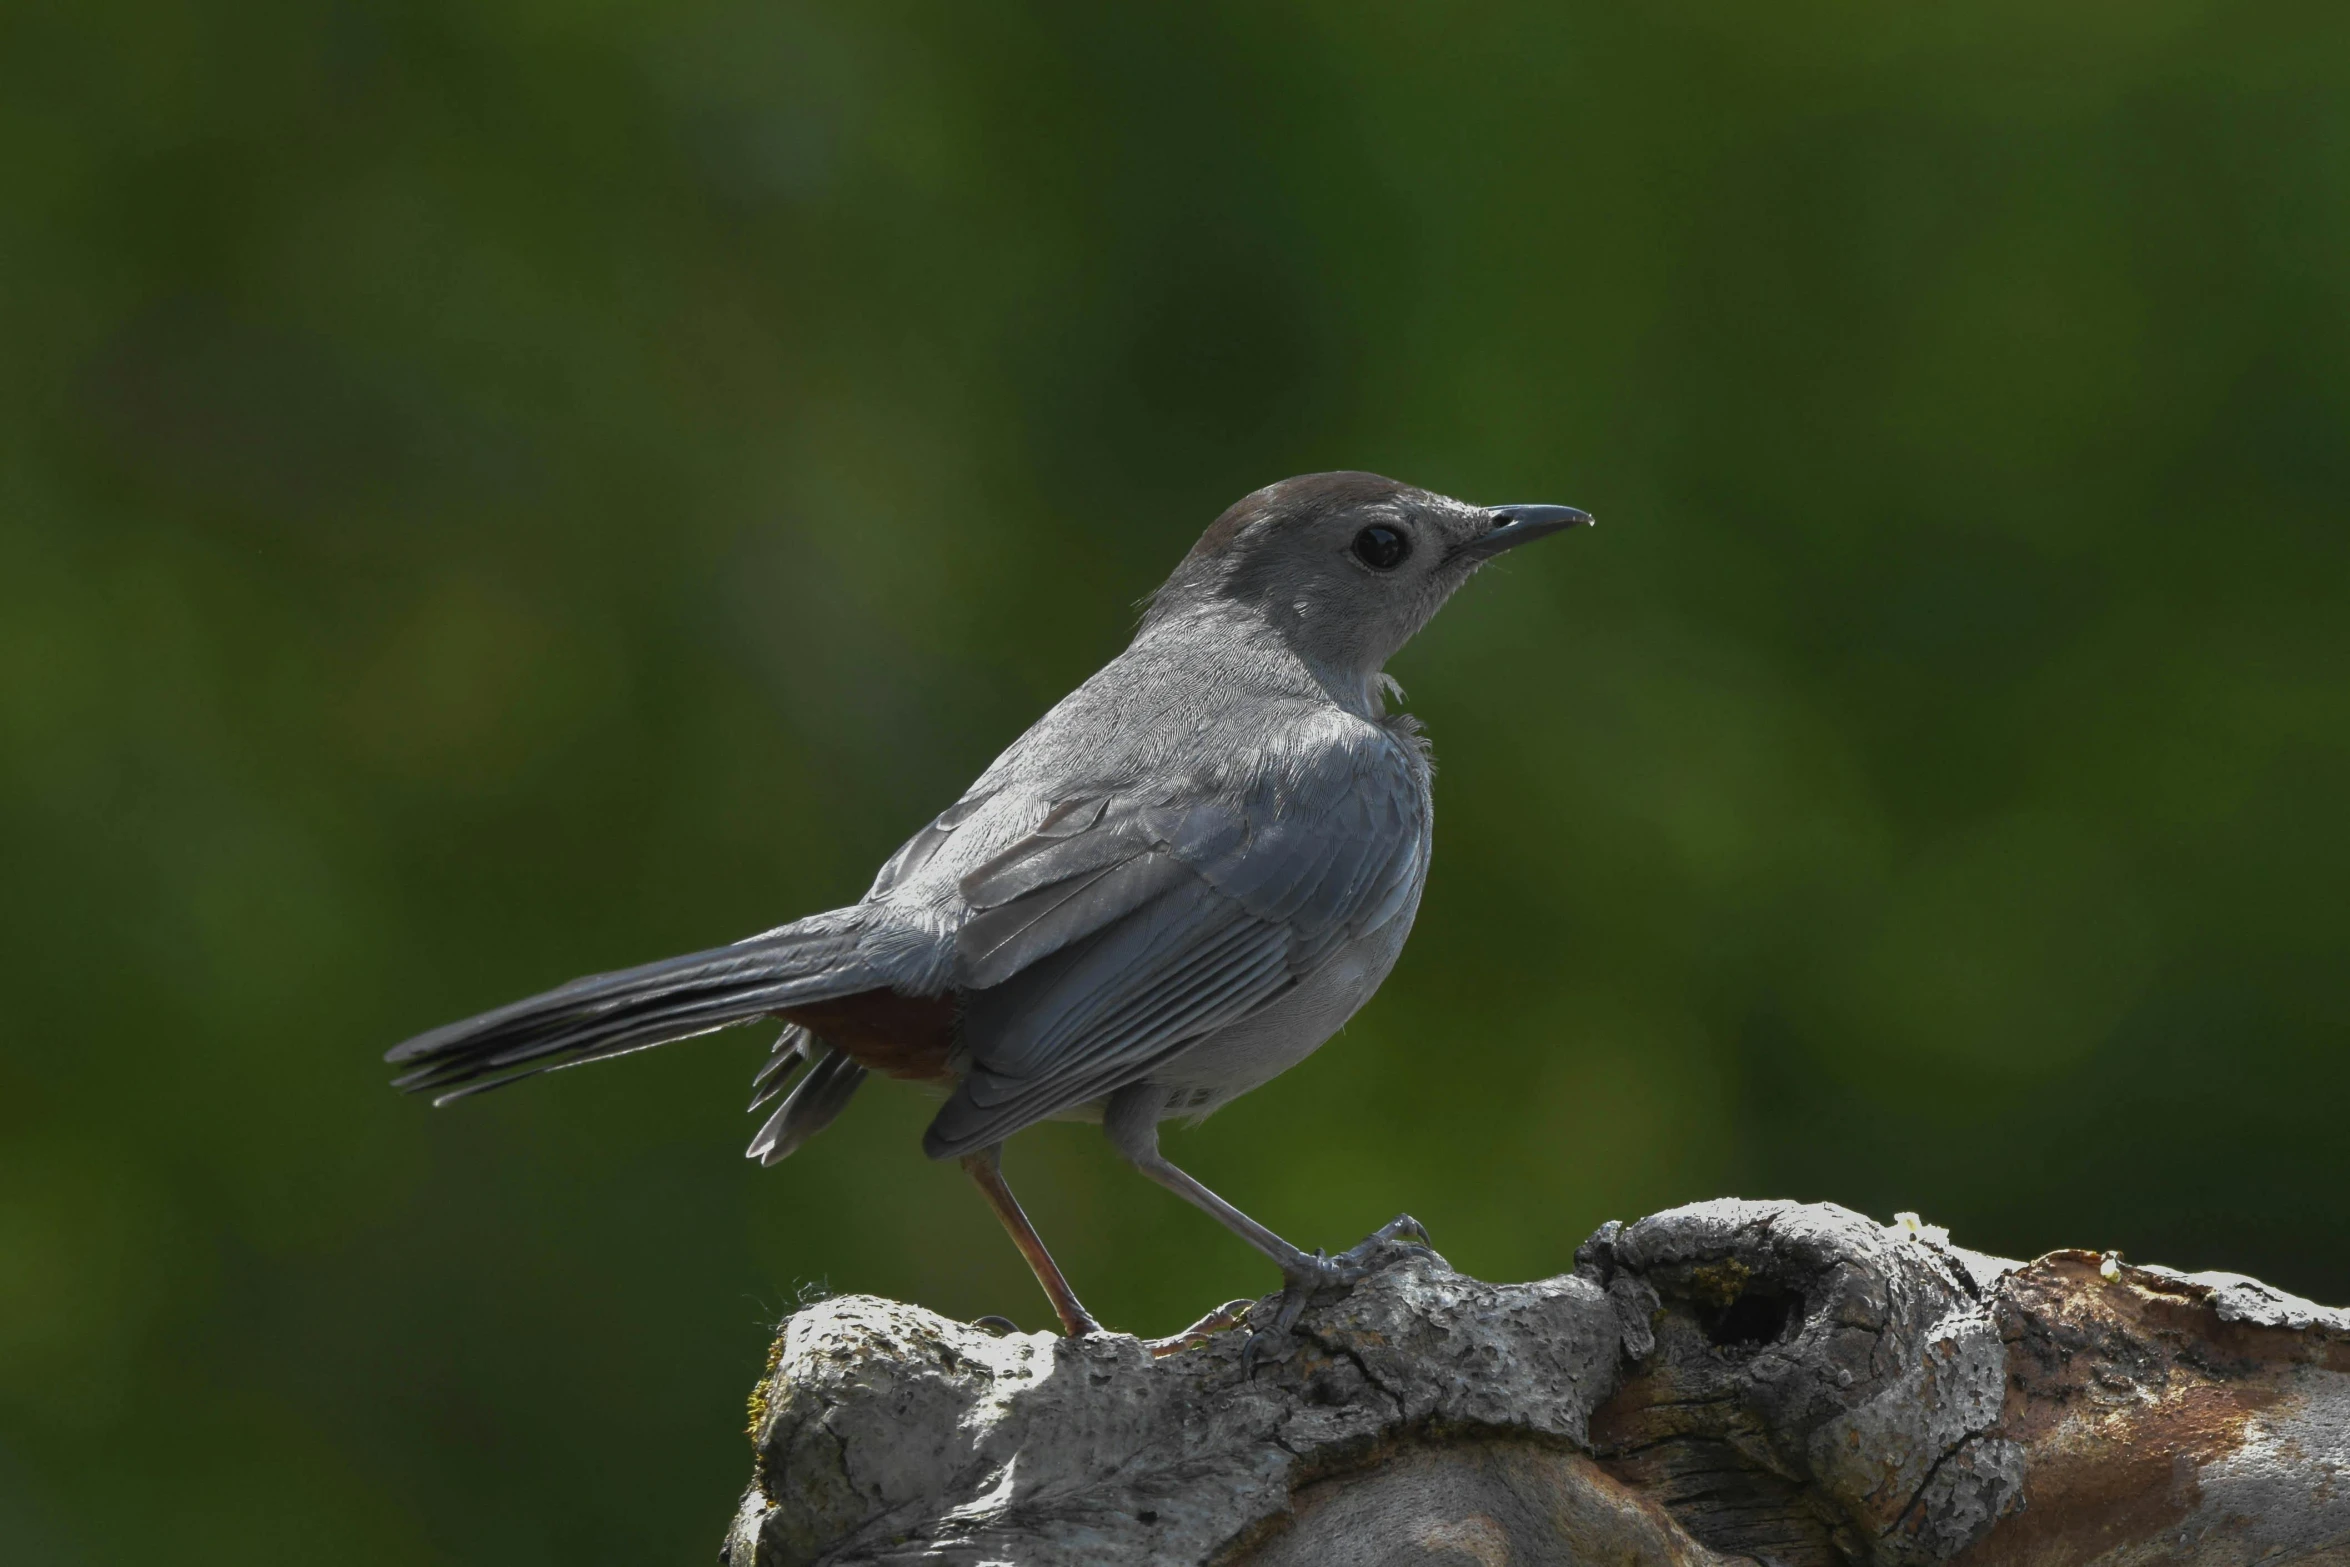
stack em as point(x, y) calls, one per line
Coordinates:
point(480, 1077)
point(606, 1015)
point(792, 1050)
point(811, 1105)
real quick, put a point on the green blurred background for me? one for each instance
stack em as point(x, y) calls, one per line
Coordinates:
point(500, 490)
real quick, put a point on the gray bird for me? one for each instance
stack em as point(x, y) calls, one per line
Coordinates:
point(1178, 883)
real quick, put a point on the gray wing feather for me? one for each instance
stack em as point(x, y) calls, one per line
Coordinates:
point(1038, 862)
point(920, 849)
point(1094, 1017)
point(1126, 990)
point(1003, 940)
point(1118, 933)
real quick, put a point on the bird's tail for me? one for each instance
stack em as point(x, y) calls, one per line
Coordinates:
point(612, 1014)
point(810, 1104)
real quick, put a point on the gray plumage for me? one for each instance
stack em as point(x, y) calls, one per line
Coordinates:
point(1180, 881)
point(811, 1103)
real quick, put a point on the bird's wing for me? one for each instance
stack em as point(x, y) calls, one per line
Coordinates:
point(1127, 926)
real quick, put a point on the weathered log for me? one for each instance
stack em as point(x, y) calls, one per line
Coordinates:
point(1730, 1381)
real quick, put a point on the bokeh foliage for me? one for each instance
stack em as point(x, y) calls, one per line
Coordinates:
point(499, 490)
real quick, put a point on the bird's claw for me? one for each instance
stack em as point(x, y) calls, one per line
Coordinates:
point(1403, 1234)
point(1229, 1315)
point(1307, 1276)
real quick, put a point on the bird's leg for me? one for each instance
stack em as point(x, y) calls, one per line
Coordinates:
point(987, 1168)
point(1132, 1121)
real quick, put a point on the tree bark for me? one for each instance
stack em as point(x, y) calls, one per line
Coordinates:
point(1733, 1381)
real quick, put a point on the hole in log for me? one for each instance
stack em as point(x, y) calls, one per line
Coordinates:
point(1755, 1317)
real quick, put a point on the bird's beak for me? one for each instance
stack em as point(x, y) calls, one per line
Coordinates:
point(1516, 525)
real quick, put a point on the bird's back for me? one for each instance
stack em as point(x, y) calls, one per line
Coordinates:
point(1189, 838)
point(1199, 713)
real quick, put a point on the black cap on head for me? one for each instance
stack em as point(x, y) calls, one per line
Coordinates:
point(1305, 496)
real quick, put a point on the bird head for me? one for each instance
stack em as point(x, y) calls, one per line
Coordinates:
point(1346, 567)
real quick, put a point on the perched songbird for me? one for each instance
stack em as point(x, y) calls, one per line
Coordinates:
point(1178, 883)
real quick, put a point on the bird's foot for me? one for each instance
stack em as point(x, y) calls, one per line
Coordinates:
point(1229, 1315)
point(1307, 1275)
point(1400, 1237)
point(1072, 1328)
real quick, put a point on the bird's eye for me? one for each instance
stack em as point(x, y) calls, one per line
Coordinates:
point(1381, 548)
